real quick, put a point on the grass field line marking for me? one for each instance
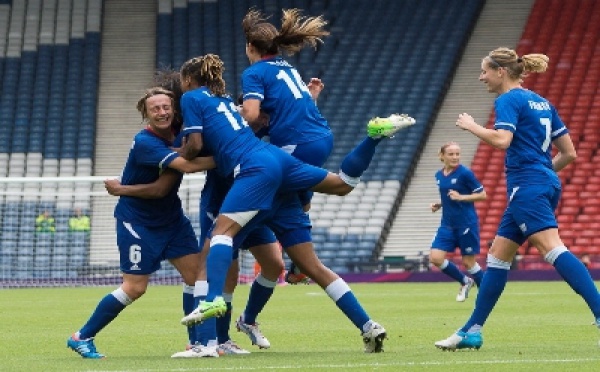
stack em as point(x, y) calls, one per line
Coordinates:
point(361, 365)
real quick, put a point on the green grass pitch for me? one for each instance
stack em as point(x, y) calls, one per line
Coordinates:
point(537, 326)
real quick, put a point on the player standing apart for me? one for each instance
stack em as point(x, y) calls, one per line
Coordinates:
point(459, 227)
point(526, 126)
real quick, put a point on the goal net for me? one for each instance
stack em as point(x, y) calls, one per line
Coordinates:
point(52, 253)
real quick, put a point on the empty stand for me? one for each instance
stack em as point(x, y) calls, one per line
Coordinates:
point(48, 76)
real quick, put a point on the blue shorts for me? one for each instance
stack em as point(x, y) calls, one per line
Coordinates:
point(266, 174)
point(530, 210)
point(247, 238)
point(287, 221)
point(142, 249)
point(466, 238)
point(313, 153)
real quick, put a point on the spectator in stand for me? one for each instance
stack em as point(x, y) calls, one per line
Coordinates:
point(459, 190)
point(44, 223)
point(79, 221)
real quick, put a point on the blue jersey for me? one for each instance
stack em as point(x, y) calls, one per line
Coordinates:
point(534, 123)
point(293, 115)
point(458, 213)
point(225, 133)
point(148, 157)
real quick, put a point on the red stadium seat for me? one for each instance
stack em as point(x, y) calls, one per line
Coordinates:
point(564, 219)
point(567, 233)
point(593, 186)
point(586, 242)
point(570, 205)
point(592, 211)
point(588, 234)
point(578, 250)
point(578, 180)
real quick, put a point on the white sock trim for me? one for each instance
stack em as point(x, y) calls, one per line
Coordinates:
point(475, 269)
point(350, 181)
point(444, 264)
point(221, 239)
point(551, 256)
point(121, 296)
point(201, 288)
point(474, 328)
point(336, 289)
point(265, 282)
point(497, 263)
point(189, 289)
point(228, 297)
point(367, 326)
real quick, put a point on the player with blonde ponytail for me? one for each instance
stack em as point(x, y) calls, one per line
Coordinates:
point(527, 125)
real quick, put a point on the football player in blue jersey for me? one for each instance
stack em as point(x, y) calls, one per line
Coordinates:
point(148, 230)
point(273, 86)
point(262, 172)
point(459, 227)
point(261, 242)
point(526, 126)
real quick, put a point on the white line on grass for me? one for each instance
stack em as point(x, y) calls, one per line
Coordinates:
point(363, 365)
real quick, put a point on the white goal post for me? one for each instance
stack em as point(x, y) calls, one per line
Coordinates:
point(64, 257)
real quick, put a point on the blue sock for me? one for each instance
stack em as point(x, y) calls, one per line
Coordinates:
point(478, 277)
point(202, 330)
point(260, 293)
point(209, 331)
point(452, 271)
point(345, 300)
point(492, 286)
point(217, 264)
point(476, 273)
point(359, 159)
point(224, 321)
point(576, 275)
point(107, 310)
point(188, 307)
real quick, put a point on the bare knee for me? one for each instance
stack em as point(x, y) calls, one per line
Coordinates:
point(319, 273)
point(134, 290)
point(269, 258)
point(468, 261)
point(272, 269)
point(232, 277)
point(437, 257)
